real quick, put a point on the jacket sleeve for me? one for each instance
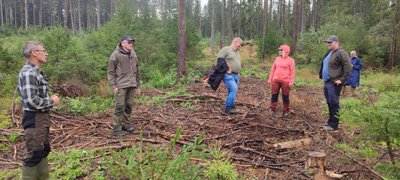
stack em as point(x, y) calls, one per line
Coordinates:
point(347, 66)
point(137, 74)
point(271, 74)
point(292, 72)
point(358, 64)
point(111, 71)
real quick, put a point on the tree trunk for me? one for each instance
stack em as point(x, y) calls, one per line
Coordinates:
point(393, 45)
point(264, 32)
point(66, 13)
point(240, 19)
point(221, 37)
point(182, 39)
point(79, 16)
point(295, 21)
point(212, 42)
point(72, 17)
point(1, 13)
point(229, 20)
point(34, 12)
point(270, 12)
point(97, 14)
point(303, 16)
point(26, 14)
point(314, 15)
point(41, 13)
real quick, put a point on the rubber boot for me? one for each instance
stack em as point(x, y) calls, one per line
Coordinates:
point(43, 169)
point(29, 173)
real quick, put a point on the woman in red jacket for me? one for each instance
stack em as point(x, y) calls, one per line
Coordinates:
point(281, 77)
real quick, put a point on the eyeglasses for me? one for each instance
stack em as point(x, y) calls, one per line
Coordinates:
point(329, 42)
point(41, 50)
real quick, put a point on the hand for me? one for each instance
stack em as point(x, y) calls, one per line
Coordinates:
point(229, 70)
point(56, 100)
point(138, 91)
point(337, 82)
point(116, 90)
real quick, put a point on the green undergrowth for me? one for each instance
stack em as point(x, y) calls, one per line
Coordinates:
point(141, 161)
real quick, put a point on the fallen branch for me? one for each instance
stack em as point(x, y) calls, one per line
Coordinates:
point(271, 166)
point(365, 166)
point(254, 152)
point(293, 144)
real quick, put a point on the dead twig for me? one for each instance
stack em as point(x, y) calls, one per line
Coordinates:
point(254, 152)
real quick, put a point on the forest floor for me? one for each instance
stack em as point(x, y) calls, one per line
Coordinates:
point(248, 136)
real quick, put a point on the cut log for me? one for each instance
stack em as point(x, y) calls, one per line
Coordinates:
point(293, 144)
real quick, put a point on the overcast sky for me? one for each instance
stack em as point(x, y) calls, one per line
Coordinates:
point(203, 2)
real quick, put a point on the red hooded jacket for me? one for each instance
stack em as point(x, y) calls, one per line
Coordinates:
point(283, 69)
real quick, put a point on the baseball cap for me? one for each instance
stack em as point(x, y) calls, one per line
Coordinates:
point(127, 38)
point(332, 38)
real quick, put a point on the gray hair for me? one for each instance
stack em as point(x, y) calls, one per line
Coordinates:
point(27, 49)
point(237, 39)
point(353, 53)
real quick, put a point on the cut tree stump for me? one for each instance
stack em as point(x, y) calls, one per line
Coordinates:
point(293, 144)
point(316, 164)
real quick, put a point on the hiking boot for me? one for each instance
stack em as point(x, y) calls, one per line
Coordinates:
point(118, 133)
point(127, 129)
point(329, 128)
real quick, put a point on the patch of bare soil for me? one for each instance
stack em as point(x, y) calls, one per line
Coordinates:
point(248, 136)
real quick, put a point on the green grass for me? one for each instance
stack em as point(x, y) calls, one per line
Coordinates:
point(86, 105)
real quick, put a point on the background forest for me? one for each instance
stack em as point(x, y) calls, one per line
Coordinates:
point(80, 35)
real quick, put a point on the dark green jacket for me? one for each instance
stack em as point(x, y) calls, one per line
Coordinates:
point(123, 69)
point(339, 65)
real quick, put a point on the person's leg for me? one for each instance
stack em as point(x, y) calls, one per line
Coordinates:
point(37, 145)
point(333, 98)
point(326, 94)
point(119, 109)
point(127, 122)
point(232, 91)
point(285, 97)
point(275, 86)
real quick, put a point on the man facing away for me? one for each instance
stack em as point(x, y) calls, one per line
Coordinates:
point(231, 78)
point(124, 79)
point(335, 69)
point(33, 89)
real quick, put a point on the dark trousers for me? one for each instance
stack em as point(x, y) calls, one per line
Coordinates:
point(123, 108)
point(332, 96)
point(37, 137)
point(275, 87)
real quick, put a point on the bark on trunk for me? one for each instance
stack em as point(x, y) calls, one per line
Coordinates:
point(182, 40)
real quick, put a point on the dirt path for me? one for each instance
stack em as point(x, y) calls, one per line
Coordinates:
point(248, 136)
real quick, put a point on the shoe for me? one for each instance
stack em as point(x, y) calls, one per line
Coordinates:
point(325, 125)
point(329, 128)
point(271, 112)
point(286, 114)
point(118, 133)
point(127, 129)
point(230, 111)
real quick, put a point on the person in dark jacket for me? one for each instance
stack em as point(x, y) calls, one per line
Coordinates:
point(124, 79)
point(231, 78)
point(354, 79)
point(34, 91)
point(335, 69)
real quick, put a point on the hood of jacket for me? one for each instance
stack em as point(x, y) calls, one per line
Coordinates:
point(285, 49)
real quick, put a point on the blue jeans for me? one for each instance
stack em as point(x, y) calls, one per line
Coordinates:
point(231, 82)
point(332, 96)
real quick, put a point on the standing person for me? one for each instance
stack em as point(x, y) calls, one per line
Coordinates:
point(354, 79)
point(335, 69)
point(231, 78)
point(33, 89)
point(123, 76)
point(281, 77)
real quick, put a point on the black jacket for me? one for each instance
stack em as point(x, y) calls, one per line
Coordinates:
point(216, 77)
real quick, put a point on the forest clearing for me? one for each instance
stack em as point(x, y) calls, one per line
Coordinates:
point(83, 58)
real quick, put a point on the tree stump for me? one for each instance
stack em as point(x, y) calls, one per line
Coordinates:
point(316, 164)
